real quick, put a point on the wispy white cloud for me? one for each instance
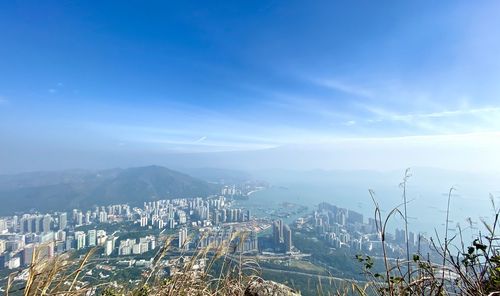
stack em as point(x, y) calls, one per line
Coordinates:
point(449, 113)
point(3, 100)
point(308, 105)
point(351, 89)
point(444, 121)
point(466, 151)
point(204, 146)
point(201, 139)
point(349, 123)
point(384, 114)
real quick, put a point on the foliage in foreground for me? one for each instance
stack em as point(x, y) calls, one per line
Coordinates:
point(456, 268)
point(62, 275)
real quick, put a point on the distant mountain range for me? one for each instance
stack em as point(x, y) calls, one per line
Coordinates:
point(65, 190)
point(218, 175)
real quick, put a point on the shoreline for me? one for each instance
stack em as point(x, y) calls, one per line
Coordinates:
point(256, 190)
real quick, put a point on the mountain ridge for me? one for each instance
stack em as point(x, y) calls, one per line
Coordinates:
point(64, 190)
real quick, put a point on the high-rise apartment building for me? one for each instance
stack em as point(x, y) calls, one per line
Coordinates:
point(183, 236)
point(63, 221)
point(46, 222)
point(287, 237)
point(92, 237)
point(80, 238)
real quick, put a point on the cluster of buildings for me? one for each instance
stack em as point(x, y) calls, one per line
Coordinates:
point(54, 233)
point(346, 229)
point(183, 212)
point(137, 246)
point(282, 236)
point(241, 242)
point(92, 238)
point(242, 191)
point(109, 214)
point(16, 249)
point(231, 191)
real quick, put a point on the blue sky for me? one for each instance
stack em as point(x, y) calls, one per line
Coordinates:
point(82, 82)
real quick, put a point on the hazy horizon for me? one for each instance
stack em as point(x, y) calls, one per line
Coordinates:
point(327, 85)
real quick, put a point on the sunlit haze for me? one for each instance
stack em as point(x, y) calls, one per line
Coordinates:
point(331, 85)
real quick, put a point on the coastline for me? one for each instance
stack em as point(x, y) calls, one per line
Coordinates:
point(256, 190)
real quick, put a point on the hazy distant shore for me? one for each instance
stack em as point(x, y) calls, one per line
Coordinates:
point(253, 191)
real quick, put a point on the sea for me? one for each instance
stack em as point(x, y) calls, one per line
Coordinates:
point(426, 205)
